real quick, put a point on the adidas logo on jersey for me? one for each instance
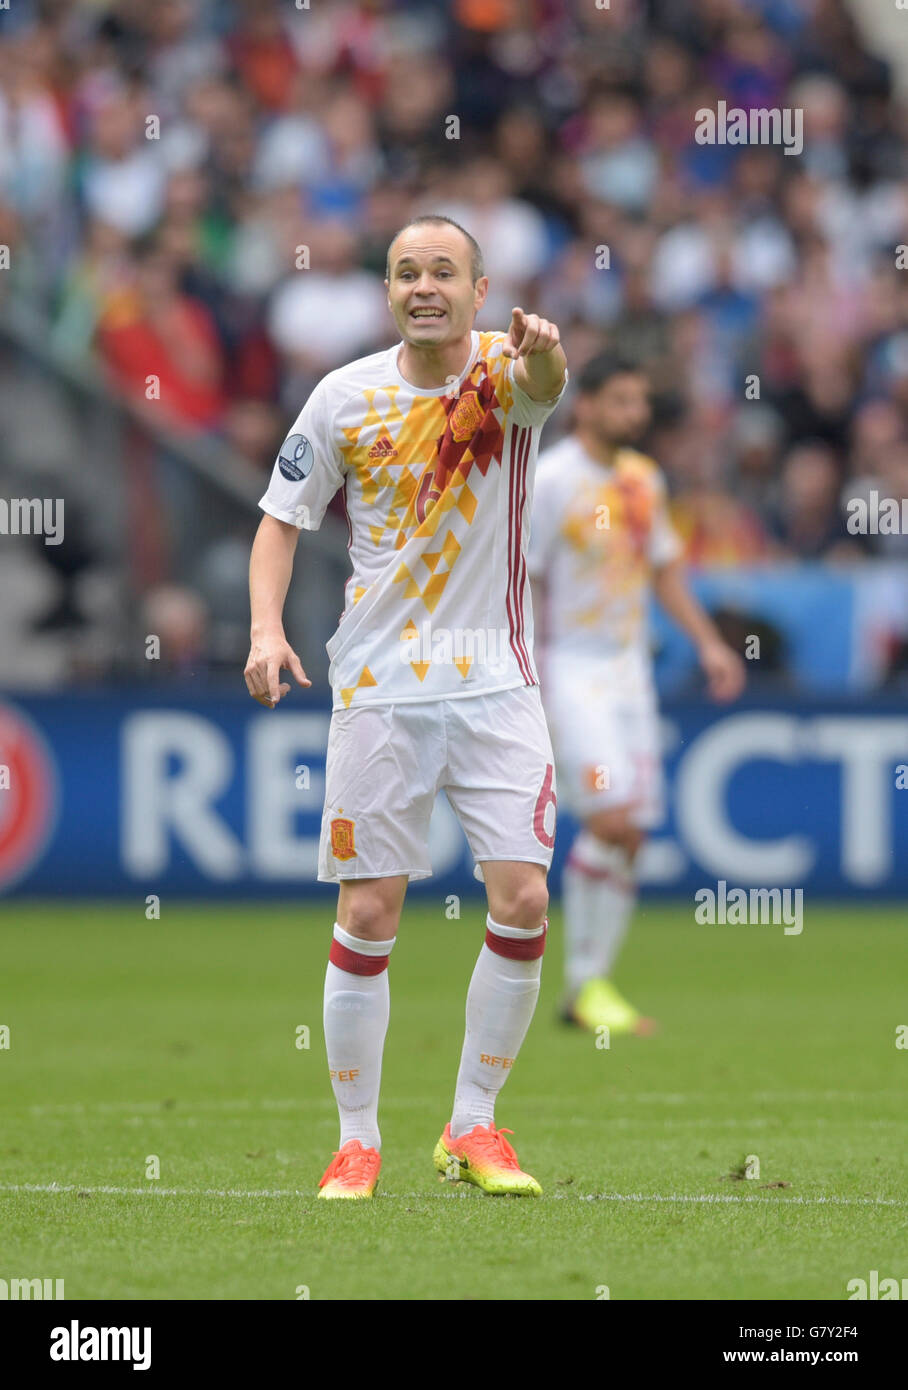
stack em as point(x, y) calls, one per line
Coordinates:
point(383, 449)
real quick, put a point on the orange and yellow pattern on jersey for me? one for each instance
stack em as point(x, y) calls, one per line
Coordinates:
point(438, 488)
point(598, 533)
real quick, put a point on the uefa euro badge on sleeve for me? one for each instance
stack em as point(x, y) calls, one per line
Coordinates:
point(295, 458)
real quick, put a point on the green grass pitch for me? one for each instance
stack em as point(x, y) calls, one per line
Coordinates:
point(177, 1038)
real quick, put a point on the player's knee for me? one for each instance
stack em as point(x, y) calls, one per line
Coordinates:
point(370, 915)
point(524, 906)
point(371, 922)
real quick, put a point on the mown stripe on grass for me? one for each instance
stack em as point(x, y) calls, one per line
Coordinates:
point(104, 1107)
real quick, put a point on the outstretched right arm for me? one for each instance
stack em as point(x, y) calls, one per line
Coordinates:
point(270, 568)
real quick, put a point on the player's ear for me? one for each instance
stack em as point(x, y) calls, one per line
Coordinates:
point(480, 290)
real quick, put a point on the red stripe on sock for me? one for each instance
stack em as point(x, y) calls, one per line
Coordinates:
point(516, 947)
point(354, 961)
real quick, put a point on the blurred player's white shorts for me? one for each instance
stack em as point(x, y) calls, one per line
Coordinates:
point(491, 754)
point(606, 735)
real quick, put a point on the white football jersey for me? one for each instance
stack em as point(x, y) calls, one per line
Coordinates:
point(438, 490)
point(597, 535)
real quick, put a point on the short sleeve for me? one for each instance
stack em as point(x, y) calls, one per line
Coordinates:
point(308, 469)
point(664, 542)
point(526, 411)
point(545, 521)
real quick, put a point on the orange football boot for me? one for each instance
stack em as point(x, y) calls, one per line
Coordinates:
point(484, 1157)
point(353, 1172)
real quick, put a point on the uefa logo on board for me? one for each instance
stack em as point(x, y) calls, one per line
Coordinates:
point(28, 795)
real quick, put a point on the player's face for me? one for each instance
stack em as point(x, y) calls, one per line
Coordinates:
point(430, 292)
point(619, 412)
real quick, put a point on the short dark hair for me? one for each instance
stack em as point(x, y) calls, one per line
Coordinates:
point(427, 220)
point(601, 368)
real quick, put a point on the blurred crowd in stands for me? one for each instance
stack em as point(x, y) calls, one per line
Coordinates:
point(162, 164)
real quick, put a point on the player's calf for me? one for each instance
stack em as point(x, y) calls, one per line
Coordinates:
point(599, 886)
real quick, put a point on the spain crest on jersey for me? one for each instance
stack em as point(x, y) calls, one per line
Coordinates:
point(466, 417)
point(342, 846)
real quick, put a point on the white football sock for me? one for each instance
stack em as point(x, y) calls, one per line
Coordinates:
point(500, 1004)
point(599, 891)
point(357, 1007)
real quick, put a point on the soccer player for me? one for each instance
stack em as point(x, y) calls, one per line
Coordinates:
point(601, 542)
point(434, 443)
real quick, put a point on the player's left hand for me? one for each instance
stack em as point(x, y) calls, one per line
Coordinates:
point(529, 333)
point(724, 670)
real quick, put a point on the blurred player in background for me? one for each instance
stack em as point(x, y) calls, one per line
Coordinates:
point(601, 543)
point(434, 442)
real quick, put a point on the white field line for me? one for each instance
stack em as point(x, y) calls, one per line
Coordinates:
point(152, 1189)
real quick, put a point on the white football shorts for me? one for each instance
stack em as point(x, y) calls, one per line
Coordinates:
point(492, 756)
point(606, 737)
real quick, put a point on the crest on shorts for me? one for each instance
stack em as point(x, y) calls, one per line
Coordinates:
point(466, 417)
point(342, 846)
